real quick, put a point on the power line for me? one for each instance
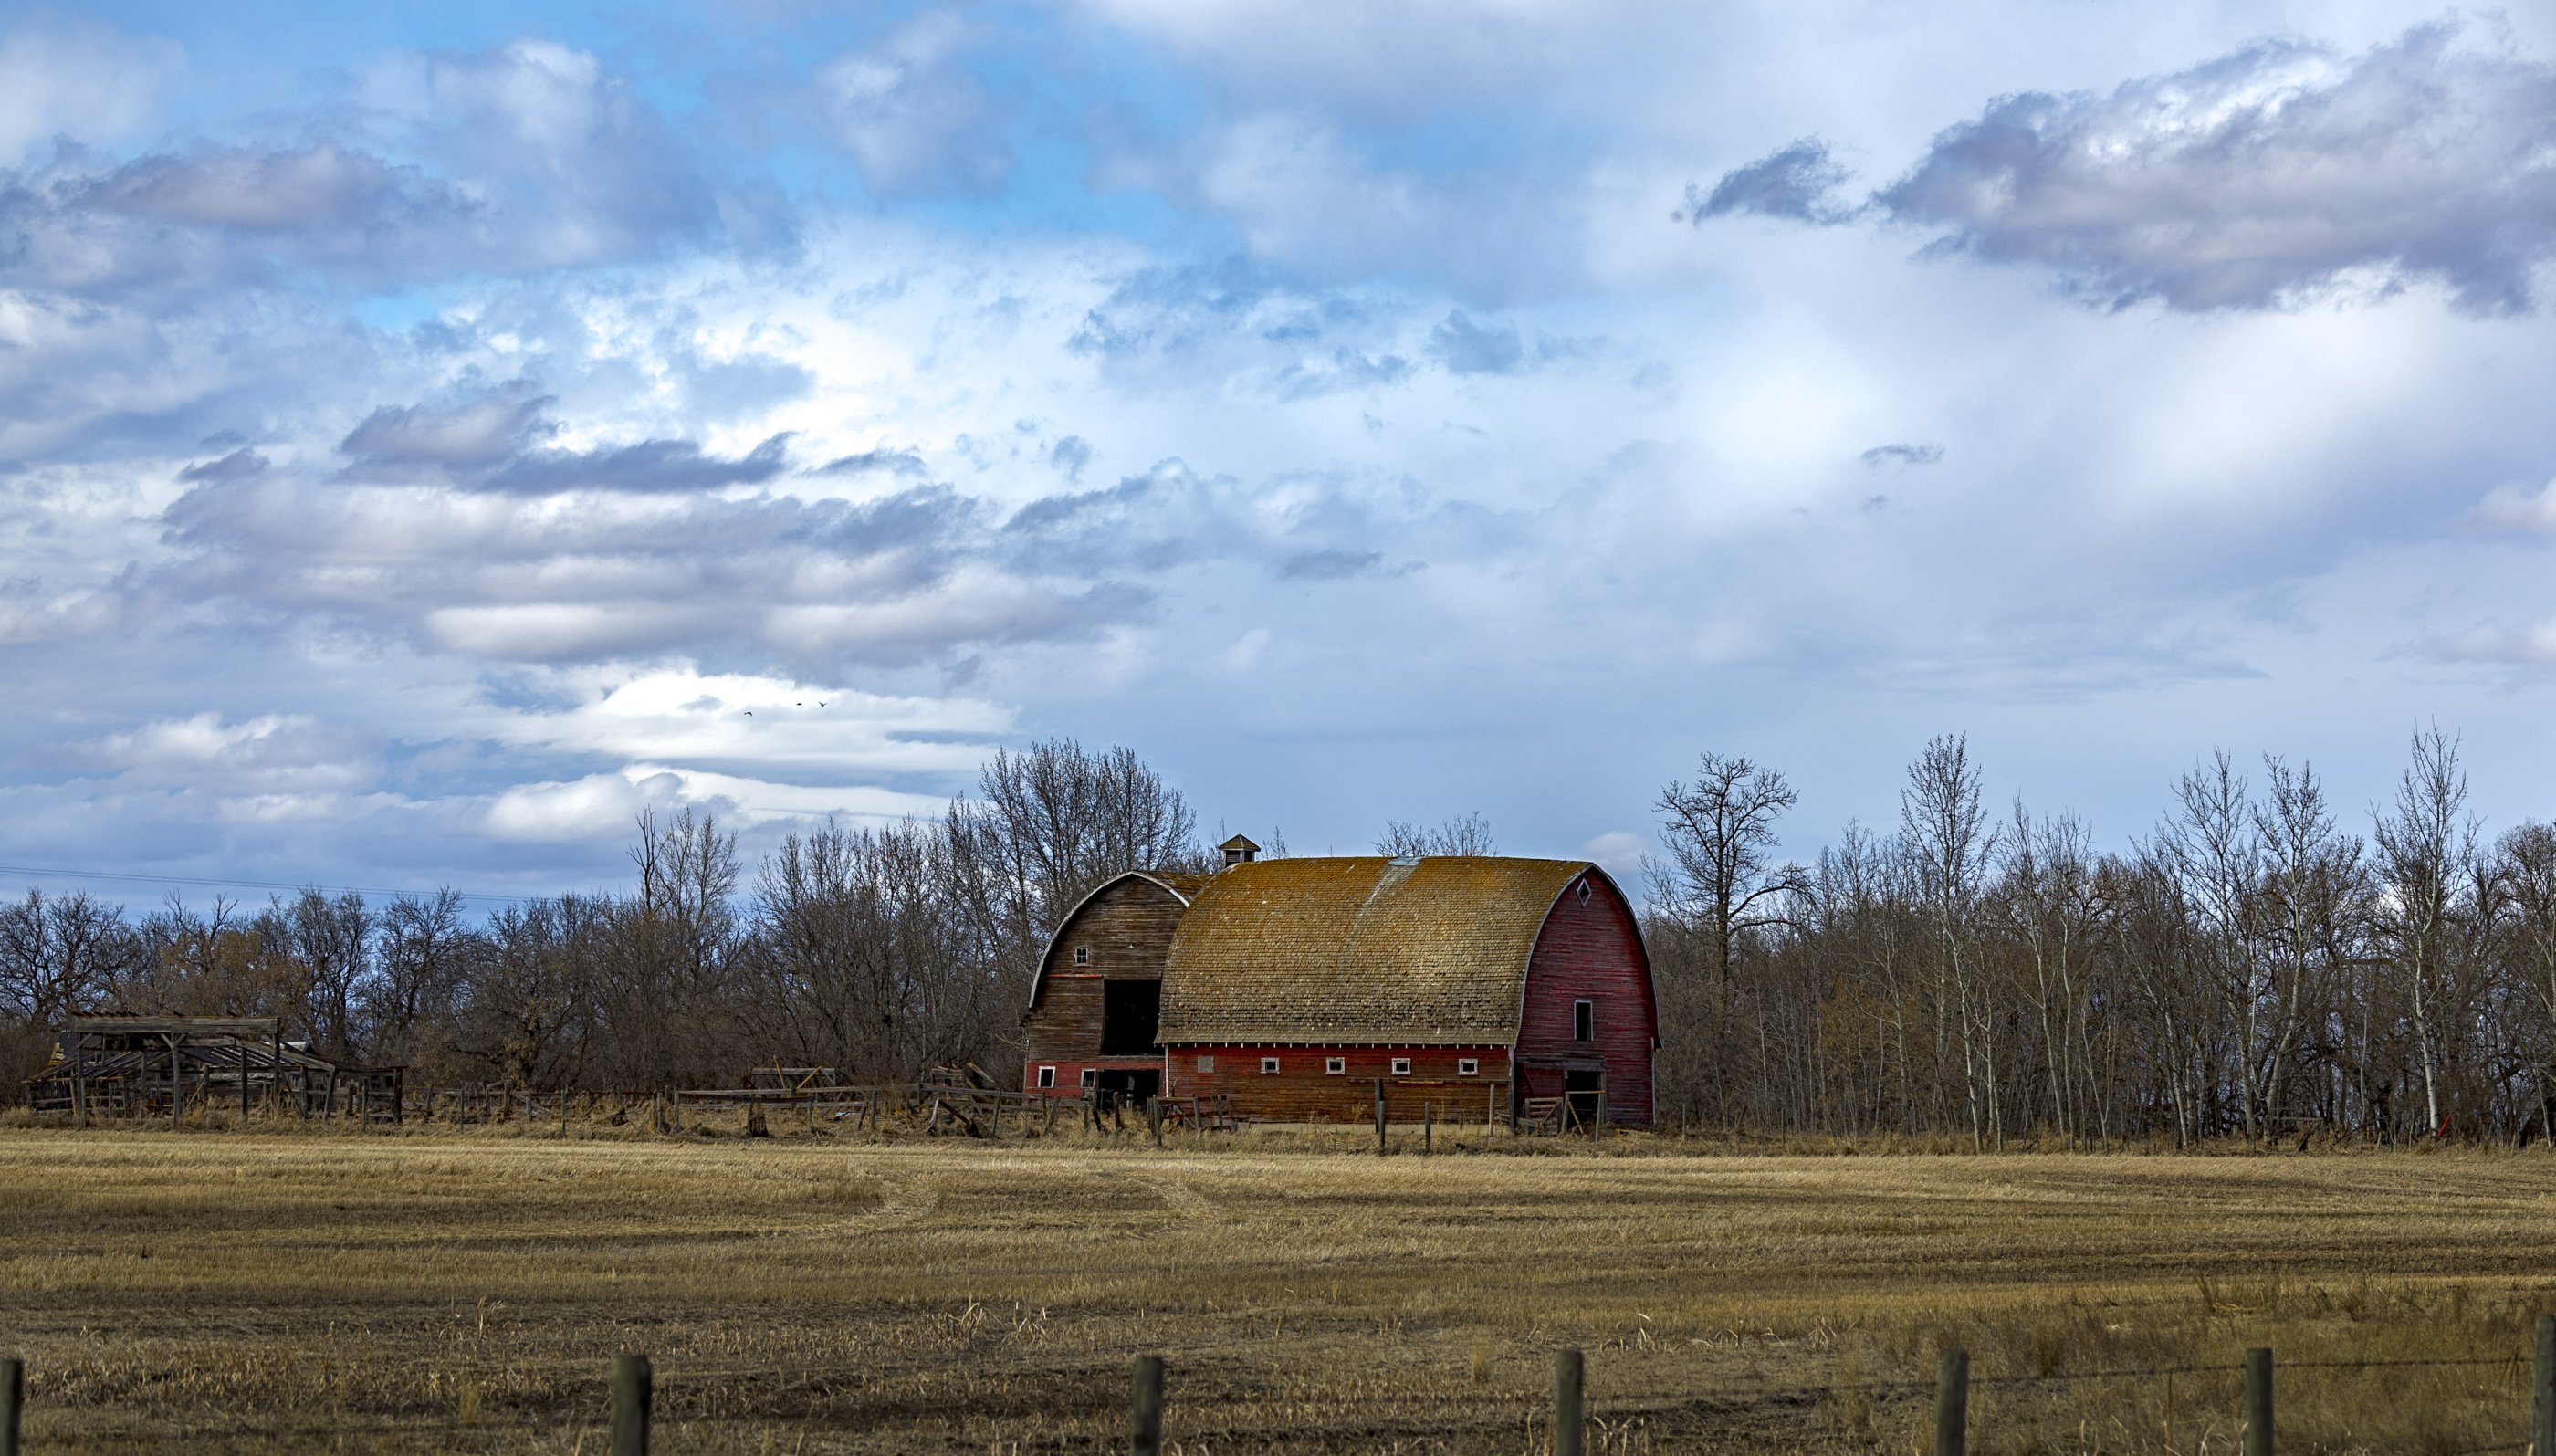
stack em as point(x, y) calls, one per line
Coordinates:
point(265, 884)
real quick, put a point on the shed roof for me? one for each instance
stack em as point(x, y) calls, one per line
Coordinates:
point(1416, 951)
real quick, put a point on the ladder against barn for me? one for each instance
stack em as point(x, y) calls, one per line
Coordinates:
point(167, 1066)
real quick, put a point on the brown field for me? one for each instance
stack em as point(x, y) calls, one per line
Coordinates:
point(245, 1290)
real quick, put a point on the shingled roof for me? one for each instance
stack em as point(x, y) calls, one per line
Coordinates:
point(1417, 951)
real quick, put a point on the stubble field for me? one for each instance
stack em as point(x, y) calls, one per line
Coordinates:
point(247, 1291)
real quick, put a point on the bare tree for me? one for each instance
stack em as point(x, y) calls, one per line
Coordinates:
point(1721, 883)
point(1465, 834)
point(2215, 848)
point(1949, 844)
point(2528, 862)
point(2425, 849)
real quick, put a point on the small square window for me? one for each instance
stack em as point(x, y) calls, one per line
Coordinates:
point(1583, 1016)
point(1047, 1077)
point(1468, 1066)
point(1336, 1066)
point(1083, 955)
point(1402, 1066)
point(1269, 1065)
point(1207, 1064)
point(1092, 1076)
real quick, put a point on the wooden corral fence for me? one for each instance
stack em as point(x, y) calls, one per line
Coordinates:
point(165, 1067)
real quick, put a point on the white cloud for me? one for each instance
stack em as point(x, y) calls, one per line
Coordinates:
point(80, 80)
point(1619, 853)
point(2510, 509)
point(913, 118)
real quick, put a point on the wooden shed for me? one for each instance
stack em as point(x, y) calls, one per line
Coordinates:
point(1296, 987)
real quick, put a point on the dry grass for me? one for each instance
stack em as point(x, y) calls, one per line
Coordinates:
point(435, 1291)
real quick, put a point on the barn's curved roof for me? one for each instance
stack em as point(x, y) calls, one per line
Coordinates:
point(1417, 951)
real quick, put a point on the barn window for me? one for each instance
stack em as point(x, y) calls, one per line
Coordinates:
point(1091, 1077)
point(1468, 1066)
point(1047, 1076)
point(1402, 1066)
point(1336, 1066)
point(1584, 891)
point(1207, 1064)
point(1269, 1065)
point(1583, 1014)
point(1083, 955)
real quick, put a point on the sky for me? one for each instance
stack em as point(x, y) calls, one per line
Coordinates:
point(432, 436)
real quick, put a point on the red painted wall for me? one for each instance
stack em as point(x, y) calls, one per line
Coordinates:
point(1590, 949)
point(1299, 1091)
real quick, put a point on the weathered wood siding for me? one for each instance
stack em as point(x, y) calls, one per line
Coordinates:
point(1299, 1091)
point(1590, 949)
point(1127, 929)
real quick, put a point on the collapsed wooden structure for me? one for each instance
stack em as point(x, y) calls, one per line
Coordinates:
point(167, 1066)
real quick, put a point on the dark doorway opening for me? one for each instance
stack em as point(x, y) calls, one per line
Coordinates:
point(1584, 1096)
point(1128, 1085)
point(1130, 1013)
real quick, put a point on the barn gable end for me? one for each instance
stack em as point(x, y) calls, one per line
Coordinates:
point(1096, 999)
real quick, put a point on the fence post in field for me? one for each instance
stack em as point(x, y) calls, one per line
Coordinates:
point(13, 1390)
point(2258, 1401)
point(633, 1386)
point(1428, 1129)
point(1951, 1402)
point(1154, 1115)
point(2542, 1388)
point(1570, 1416)
point(1145, 1429)
point(1379, 1116)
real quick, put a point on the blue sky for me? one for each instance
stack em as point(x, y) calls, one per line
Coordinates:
point(429, 437)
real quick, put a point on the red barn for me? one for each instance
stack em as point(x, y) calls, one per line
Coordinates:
point(1294, 986)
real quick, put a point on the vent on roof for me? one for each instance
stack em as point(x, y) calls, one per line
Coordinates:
point(1239, 850)
point(1404, 860)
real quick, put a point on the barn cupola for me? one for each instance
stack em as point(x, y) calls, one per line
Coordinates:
point(1239, 850)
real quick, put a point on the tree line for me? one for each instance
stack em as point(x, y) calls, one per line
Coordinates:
point(878, 951)
point(2248, 967)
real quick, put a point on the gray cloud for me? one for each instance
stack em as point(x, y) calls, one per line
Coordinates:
point(1466, 348)
point(307, 190)
point(649, 465)
point(870, 461)
point(2264, 177)
point(482, 429)
point(1329, 566)
point(1901, 454)
point(1795, 182)
point(1070, 454)
point(239, 464)
point(509, 161)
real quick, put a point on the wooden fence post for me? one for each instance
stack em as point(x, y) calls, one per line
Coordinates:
point(1145, 1428)
point(1570, 1416)
point(1951, 1402)
point(13, 1395)
point(2542, 1410)
point(1379, 1116)
point(2258, 1401)
point(633, 1392)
